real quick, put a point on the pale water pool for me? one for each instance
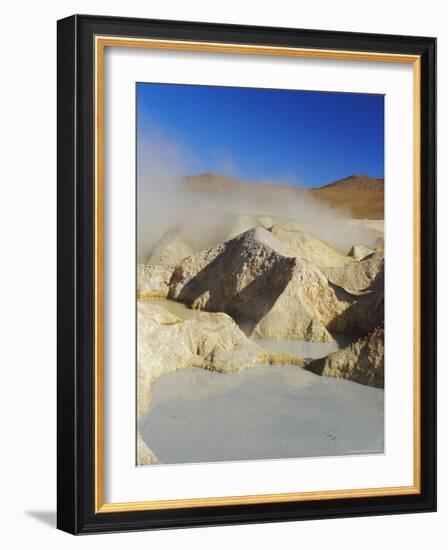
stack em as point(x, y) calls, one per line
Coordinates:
point(265, 412)
point(261, 413)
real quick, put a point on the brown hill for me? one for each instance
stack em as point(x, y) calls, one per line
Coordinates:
point(362, 195)
point(359, 195)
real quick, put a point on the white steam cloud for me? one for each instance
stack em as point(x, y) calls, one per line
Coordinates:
point(204, 219)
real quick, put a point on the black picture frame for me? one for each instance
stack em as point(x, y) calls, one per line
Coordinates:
point(76, 286)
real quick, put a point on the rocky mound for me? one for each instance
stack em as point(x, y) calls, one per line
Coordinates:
point(357, 276)
point(256, 281)
point(305, 245)
point(209, 340)
point(240, 223)
point(214, 279)
point(362, 361)
point(153, 281)
point(360, 251)
point(305, 307)
point(364, 313)
point(171, 249)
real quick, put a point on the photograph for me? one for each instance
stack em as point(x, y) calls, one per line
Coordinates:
point(259, 273)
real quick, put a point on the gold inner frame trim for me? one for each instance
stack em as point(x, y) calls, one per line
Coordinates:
point(101, 42)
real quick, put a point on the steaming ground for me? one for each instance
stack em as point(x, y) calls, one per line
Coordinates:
point(236, 275)
point(207, 217)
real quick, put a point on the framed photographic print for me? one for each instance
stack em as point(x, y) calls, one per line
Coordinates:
point(246, 274)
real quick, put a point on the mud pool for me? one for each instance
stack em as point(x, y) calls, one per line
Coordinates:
point(266, 412)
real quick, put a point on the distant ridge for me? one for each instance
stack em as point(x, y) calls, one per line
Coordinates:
point(358, 182)
point(359, 194)
point(362, 195)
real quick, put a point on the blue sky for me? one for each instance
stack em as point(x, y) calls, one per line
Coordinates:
point(301, 138)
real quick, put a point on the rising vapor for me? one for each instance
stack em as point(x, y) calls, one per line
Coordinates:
point(166, 199)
